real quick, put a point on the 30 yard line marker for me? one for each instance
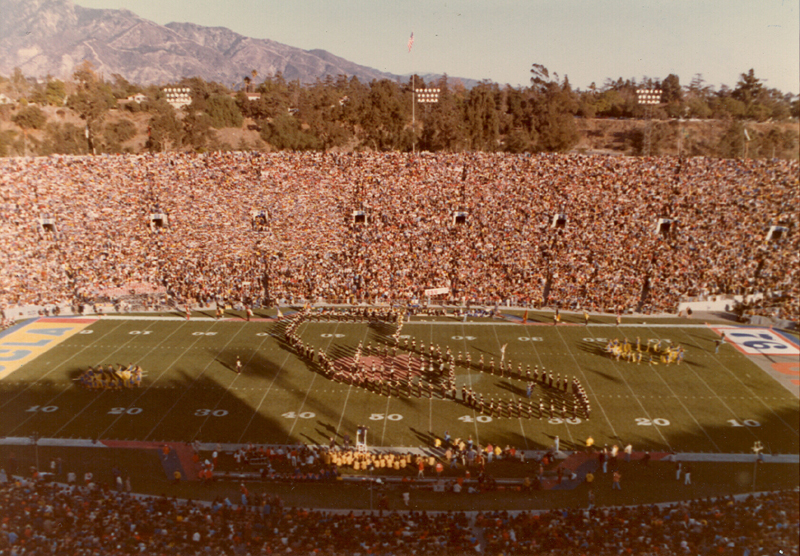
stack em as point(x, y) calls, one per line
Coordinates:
point(197, 378)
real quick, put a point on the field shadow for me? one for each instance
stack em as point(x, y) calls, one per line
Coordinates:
point(511, 388)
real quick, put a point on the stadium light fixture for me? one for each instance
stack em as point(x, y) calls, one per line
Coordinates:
point(648, 98)
point(425, 96)
point(429, 96)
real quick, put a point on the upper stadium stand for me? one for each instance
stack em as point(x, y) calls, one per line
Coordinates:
point(573, 231)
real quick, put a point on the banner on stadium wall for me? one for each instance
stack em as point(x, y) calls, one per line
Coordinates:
point(436, 291)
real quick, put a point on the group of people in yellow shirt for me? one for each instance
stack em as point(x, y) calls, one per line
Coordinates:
point(98, 378)
point(655, 352)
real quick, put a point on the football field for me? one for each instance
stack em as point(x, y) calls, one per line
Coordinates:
point(713, 403)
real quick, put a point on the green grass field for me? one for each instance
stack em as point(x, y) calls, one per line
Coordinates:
point(711, 403)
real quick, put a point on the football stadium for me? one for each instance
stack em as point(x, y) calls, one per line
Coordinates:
point(395, 353)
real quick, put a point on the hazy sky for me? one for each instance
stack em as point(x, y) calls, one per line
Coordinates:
point(588, 40)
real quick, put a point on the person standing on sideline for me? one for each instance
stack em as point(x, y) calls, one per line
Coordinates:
point(687, 475)
point(556, 443)
point(719, 341)
point(615, 480)
point(677, 471)
point(238, 365)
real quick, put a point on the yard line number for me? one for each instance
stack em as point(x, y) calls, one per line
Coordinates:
point(44, 409)
point(659, 422)
point(479, 418)
point(559, 420)
point(125, 411)
point(211, 412)
point(381, 417)
point(745, 423)
point(304, 415)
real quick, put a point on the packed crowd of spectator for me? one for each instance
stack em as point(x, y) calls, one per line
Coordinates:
point(255, 227)
point(47, 518)
point(758, 525)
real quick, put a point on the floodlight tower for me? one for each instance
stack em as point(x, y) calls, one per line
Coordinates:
point(425, 96)
point(648, 98)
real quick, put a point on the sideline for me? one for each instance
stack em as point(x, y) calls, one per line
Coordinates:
point(415, 450)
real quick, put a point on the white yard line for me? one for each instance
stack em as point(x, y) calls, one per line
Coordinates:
point(187, 389)
point(385, 418)
point(615, 366)
point(753, 395)
point(686, 409)
point(310, 386)
point(430, 400)
point(100, 395)
point(539, 358)
point(101, 435)
point(349, 389)
point(70, 358)
point(588, 385)
point(216, 405)
point(266, 392)
point(69, 387)
point(469, 378)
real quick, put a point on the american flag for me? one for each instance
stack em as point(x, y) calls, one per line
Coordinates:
point(411, 41)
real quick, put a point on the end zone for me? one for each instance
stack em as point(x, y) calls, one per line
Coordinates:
point(21, 345)
point(757, 341)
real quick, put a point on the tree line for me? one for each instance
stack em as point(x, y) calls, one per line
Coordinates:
point(342, 112)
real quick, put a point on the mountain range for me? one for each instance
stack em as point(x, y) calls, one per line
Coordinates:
point(51, 37)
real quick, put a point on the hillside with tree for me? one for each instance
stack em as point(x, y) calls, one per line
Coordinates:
point(94, 114)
